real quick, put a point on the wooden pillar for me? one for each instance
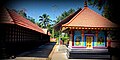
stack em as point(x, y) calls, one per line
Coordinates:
point(96, 34)
point(72, 37)
point(108, 39)
point(82, 35)
point(105, 38)
point(70, 41)
point(83, 42)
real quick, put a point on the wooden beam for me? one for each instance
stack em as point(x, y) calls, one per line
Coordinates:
point(72, 37)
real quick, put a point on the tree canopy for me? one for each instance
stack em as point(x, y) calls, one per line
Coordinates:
point(110, 9)
point(64, 15)
point(45, 20)
point(23, 13)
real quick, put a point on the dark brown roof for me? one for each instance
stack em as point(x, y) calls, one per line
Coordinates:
point(88, 18)
point(11, 17)
point(59, 25)
point(5, 16)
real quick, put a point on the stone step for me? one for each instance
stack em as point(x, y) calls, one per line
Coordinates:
point(88, 53)
point(85, 56)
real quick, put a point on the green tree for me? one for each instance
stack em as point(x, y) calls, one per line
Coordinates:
point(61, 17)
point(44, 20)
point(110, 9)
point(71, 11)
point(15, 10)
point(22, 13)
point(38, 24)
point(31, 19)
point(53, 33)
point(64, 15)
point(49, 27)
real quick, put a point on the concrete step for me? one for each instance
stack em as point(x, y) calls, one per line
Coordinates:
point(88, 53)
point(85, 56)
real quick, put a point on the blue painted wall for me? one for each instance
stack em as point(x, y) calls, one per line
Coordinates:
point(98, 43)
point(77, 35)
point(101, 38)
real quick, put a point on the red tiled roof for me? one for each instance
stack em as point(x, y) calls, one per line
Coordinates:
point(68, 18)
point(88, 18)
point(11, 17)
point(5, 16)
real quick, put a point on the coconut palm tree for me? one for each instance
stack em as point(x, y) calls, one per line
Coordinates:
point(44, 20)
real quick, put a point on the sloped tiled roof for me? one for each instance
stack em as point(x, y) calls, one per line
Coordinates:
point(68, 18)
point(11, 17)
point(5, 16)
point(88, 18)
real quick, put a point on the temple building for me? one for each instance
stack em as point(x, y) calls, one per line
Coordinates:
point(88, 31)
point(19, 34)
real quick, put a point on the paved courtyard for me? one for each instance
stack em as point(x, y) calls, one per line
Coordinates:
point(60, 54)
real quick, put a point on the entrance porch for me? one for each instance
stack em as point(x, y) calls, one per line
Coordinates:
point(88, 39)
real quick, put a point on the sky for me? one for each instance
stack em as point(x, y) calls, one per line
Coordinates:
point(53, 8)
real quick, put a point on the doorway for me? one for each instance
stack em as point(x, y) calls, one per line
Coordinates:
point(89, 42)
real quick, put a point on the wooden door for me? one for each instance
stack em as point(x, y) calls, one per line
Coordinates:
point(89, 40)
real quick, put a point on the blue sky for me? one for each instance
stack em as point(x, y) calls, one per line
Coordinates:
point(53, 8)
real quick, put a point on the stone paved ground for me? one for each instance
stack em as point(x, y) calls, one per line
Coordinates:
point(60, 54)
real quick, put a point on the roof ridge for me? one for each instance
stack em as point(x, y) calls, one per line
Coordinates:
point(63, 21)
point(4, 12)
point(102, 17)
point(21, 17)
point(75, 16)
point(85, 15)
point(27, 22)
